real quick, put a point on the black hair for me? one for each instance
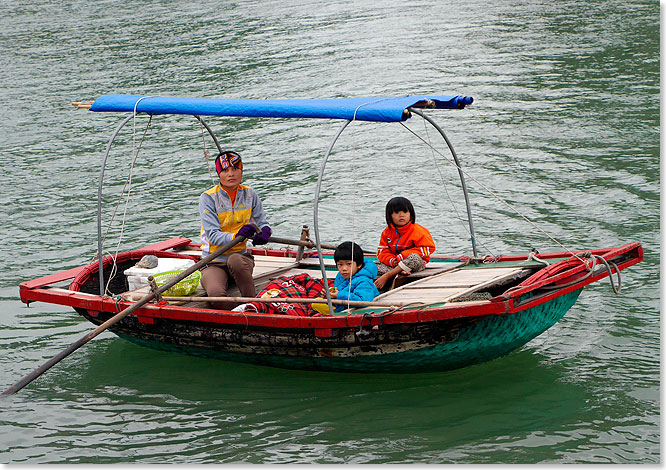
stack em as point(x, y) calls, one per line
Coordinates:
point(349, 251)
point(397, 204)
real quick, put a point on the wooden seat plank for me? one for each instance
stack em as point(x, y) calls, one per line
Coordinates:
point(464, 277)
point(426, 296)
point(449, 285)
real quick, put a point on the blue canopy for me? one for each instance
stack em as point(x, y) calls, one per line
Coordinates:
point(380, 109)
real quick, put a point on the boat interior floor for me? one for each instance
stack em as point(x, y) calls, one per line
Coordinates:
point(440, 282)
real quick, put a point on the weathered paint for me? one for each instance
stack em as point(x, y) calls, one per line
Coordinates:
point(441, 345)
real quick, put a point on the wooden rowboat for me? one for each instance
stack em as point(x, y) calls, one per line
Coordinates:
point(458, 312)
point(440, 321)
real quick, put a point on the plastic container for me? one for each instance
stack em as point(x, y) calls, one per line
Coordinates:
point(138, 277)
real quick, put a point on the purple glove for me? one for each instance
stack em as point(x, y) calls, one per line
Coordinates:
point(246, 231)
point(262, 238)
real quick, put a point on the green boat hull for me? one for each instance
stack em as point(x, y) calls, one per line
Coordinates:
point(474, 341)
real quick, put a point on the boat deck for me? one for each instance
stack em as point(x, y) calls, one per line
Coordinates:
point(456, 284)
point(440, 282)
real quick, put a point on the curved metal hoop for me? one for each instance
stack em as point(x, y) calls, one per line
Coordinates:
point(99, 203)
point(101, 182)
point(217, 144)
point(460, 172)
point(316, 215)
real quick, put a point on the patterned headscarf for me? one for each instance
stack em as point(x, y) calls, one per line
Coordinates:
point(227, 159)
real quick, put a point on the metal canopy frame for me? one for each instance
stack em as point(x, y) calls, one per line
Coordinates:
point(316, 199)
point(318, 191)
point(101, 183)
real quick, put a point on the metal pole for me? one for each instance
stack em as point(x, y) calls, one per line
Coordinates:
point(99, 205)
point(460, 172)
point(316, 216)
point(217, 144)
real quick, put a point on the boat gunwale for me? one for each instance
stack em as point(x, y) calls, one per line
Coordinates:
point(369, 316)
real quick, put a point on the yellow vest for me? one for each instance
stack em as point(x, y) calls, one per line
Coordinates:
point(231, 218)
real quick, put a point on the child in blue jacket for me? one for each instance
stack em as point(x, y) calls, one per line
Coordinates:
point(355, 279)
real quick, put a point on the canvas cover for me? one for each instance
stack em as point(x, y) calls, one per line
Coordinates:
point(379, 109)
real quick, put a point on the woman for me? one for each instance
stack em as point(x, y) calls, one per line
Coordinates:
point(228, 210)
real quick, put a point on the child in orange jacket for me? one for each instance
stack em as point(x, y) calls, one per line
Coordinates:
point(404, 247)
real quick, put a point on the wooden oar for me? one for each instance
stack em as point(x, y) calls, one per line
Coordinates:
point(116, 318)
point(307, 244)
point(290, 300)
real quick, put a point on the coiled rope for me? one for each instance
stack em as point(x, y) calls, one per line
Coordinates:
point(591, 268)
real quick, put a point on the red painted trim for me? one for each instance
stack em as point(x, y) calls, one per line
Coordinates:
point(174, 312)
point(408, 316)
point(275, 252)
point(32, 291)
point(323, 332)
point(168, 244)
point(74, 272)
point(52, 278)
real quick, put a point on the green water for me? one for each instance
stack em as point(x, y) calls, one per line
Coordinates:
point(564, 128)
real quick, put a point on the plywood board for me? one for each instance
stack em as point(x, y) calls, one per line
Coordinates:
point(426, 296)
point(448, 285)
point(315, 262)
point(465, 277)
point(264, 265)
point(273, 260)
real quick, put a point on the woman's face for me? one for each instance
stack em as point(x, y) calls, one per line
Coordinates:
point(230, 178)
point(401, 218)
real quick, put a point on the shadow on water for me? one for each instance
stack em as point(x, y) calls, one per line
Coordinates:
point(126, 403)
point(565, 126)
point(149, 371)
point(278, 415)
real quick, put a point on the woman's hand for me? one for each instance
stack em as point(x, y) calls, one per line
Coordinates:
point(262, 237)
point(246, 231)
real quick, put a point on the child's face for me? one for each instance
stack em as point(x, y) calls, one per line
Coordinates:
point(347, 268)
point(401, 218)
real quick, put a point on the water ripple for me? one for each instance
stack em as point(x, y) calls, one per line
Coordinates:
point(565, 127)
